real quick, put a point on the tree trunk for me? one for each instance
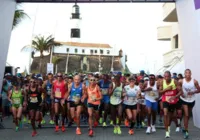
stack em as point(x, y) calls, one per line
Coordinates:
point(56, 69)
point(66, 69)
point(41, 58)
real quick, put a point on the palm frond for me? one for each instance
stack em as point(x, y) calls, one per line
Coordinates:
point(18, 17)
point(56, 60)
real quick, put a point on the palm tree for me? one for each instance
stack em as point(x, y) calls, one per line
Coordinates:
point(55, 61)
point(18, 17)
point(42, 44)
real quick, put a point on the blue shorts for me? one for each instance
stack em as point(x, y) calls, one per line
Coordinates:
point(106, 99)
point(152, 105)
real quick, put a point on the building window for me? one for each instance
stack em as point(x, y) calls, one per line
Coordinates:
point(76, 50)
point(176, 42)
point(101, 51)
point(91, 51)
point(83, 51)
point(108, 51)
point(95, 51)
point(67, 50)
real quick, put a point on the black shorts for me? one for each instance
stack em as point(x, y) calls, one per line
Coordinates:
point(57, 100)
point(34, 106)
point(189, 104)
point(131, 107)
point(95, 107)
point(72, 104)
point(171, 107)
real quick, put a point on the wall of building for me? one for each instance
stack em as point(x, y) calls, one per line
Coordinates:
point(6, 15)
point(189, 23)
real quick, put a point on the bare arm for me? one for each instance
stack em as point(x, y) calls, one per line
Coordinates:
point(110, 90)
point(9, 96)
point(99, 91)
point(179, 87)
point(196, 83)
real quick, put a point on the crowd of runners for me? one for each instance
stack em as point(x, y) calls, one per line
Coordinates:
point(100, 100)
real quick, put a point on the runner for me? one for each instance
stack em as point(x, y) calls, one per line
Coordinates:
point(94, 100)
point(77, 96)
point(168, 89)
point(190, 87)
point(104, 85)
point(115, 91)
point(151, 96)
point(130, 94)
point(34, 98)
point(15, 97)
point(59, 94)
point(48, 87)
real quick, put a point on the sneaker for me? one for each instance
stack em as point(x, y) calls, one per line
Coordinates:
point(16, 128)
point(126, 122)
point(34, 133)
point(153, 128)
point(104, 124)
point(160, 121)
point(20, 124)
point(29, 121)
point(177, 129)
point(186, 135)
point(143, 124)
point(115, 130)
point(24, 120)
point(56, 128)
point(169, 129)
point(131, 132)
point(43, 121)
point(119, 130)
point(51, 122)
point(63, 128)
point(78, 131)
point(90, 133)
point(96, 124)
point(167, 134)
point(111, 122)
point(117, 120)
point(101, 120)
point(148, 131)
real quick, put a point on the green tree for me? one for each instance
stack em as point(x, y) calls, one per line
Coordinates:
point(19, 16)
point(56, 60)
point(42, 44)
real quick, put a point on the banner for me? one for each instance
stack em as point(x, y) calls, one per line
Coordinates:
point(49, 68)
point(197, 4)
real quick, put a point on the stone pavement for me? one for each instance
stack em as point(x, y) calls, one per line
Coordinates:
point(47, 133)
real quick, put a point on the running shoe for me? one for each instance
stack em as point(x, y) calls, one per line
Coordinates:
point(104, 124)
point(24, 120)
point(177, 129)
point(34, 133)
point(101, 120)
point(29, 121)
point(126, 122)
point(43, 121)
point(115, 130)
point(186, 135)
point(117, 120)
point(167, 134)
point(96, 124)
point(119, 130)
point(111, 122)
point(78, 131)
point(63, 128)
point(153, 128)
point(131, 132)
point(16, 128)
point(90, 133)
point(20, 124)
point(56, 128)
point(143, 124)
point(148, 131)
point(51, 122)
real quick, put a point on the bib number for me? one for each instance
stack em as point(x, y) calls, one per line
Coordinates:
point(104, 91)
point(16, 101)
point(58, 94)
point(152, 94)
point(76, 99)
point(34, 99)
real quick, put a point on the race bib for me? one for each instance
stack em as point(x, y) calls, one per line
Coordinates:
point(33, 99)
point(167, 99)
point(104, 91)
point(16, 101)
point(117, 94)
point(76, 99)
point(151, 93)
point(58, 94)
point(131, 99)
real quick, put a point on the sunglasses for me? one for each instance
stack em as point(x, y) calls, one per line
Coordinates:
point(59, 75)
point(92, 80)
point(32, 82)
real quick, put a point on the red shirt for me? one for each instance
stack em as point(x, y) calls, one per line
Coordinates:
point(59, 89)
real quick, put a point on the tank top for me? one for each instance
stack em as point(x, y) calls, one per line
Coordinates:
point(48, 88)
point(17, 97)
point(93, 94)
point(115, 99)
point(34, 96)
point(152, 95)
point(169, 93)
point(188, 87)
point(104, 87)
point(131, 95)
point(59, 89)
point(75, 93)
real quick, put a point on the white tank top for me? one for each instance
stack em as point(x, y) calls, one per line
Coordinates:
point(115, 99)
point(131, 95)
point(152, 95)
point(188, 87)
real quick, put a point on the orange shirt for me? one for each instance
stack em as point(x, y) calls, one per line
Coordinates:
point(93, 94)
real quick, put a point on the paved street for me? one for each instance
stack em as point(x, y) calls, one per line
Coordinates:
point(47, 133)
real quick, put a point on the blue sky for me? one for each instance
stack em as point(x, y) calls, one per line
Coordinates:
point(130, 26)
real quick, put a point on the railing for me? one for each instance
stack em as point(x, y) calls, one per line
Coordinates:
point(171, 55)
